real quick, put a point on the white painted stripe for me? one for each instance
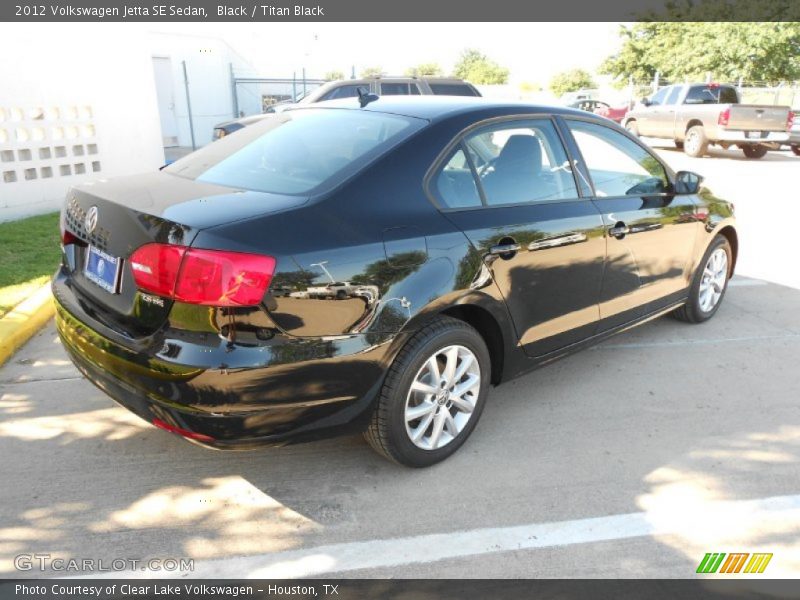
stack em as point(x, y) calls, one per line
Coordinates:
point(372, 554)
point(736, 282)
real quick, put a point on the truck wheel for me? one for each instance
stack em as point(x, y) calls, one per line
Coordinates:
point(679, 144)
point(796, 150)
point(632, 128)
point(755, 151)
point(696, 142)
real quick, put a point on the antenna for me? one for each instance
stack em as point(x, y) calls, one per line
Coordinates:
point(365, 96)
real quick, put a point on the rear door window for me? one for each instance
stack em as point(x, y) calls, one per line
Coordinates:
point(675, 91)
point(455, 183)
point(520, 162)
point(659, 97)
point(452, 89)
point(399, 89)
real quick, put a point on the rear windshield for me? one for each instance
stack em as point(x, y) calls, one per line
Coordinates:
point(297, 151)
point(452, 89)
point(711, 94)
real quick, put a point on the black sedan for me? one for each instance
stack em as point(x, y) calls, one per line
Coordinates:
point(377, 268)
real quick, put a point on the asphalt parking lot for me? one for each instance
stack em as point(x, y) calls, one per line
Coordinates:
point(632, 459)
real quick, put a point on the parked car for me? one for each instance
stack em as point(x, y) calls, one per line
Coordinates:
point(569, 98)
point(604, 109)
point(348, 88)
point(701, 114)
point(338, 290)
point(486, 238)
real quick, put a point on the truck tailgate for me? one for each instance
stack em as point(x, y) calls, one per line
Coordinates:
point(751, 117)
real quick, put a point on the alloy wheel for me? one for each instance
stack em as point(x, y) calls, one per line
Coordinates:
point(442, 397)
point(713, 282)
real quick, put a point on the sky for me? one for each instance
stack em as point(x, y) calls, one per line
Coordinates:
point(533, 52)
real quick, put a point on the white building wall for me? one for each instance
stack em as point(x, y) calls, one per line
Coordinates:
point(208, 70)
point(77, 102)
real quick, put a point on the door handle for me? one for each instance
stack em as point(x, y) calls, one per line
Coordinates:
point(505, 250)
point(619, 230)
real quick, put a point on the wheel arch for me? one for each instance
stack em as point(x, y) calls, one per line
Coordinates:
point(488, 328)
point(692, 123)
point(729, 233)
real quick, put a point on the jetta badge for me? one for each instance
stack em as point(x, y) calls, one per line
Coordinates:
point(90, 222)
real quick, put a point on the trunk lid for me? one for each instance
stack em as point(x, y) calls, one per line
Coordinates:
point(129, 212)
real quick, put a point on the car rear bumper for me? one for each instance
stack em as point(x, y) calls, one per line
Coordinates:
point(209, 403)
point(741, 137)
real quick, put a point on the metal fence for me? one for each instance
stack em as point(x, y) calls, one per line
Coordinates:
point(785, 93)
point(253, 95)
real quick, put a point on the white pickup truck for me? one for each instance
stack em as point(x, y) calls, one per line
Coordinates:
point(696, 115)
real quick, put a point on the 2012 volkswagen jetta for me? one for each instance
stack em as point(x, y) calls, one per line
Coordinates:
point(377, 266)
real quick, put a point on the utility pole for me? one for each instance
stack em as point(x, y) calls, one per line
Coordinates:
point(189, 105)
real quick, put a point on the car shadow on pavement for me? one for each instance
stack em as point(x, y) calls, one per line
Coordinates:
point(665, 419)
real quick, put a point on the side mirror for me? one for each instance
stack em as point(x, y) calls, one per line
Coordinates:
point(646, 102)
point(687, 182)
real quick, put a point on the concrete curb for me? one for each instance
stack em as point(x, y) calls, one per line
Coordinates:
point(21, 323)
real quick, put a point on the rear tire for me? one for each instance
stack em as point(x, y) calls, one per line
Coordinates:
point(756, 151)
point(709, 283)
point(696, 142)
point(679, 144)
point(632, 128)
point(404, 424)
point(796, 150)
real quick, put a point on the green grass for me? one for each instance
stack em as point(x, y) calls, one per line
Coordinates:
point(29, 254)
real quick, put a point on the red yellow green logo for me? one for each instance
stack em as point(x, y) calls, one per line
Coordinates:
point(735, 562)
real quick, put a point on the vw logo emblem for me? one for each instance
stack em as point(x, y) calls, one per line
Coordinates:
point(90, 222)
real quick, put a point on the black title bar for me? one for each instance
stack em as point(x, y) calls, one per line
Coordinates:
point(272, 11)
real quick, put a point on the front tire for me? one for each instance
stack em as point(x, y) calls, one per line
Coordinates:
point(433, 395)
point(796, 150)
point(632, 127)
point(696, 142)
point(709, 283)
point(679, 144)
point(756, 151)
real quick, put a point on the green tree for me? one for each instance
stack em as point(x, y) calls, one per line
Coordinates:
point(766, 52)
point(372, 72)
point(476, 67)
point(571, 81)
point(333, 75)
point(430, 69)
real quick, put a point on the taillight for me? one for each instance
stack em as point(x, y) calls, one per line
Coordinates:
point(67, 238)
point(724, 117)
point(200, 276)
point(790, 121)
point(155, 267)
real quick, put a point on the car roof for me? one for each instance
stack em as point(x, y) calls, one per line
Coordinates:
point(434, 108)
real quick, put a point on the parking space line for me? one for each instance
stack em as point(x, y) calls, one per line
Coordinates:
point(388, 553)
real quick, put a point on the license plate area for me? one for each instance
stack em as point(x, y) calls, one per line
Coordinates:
point(103, 269)
point(755, 135)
